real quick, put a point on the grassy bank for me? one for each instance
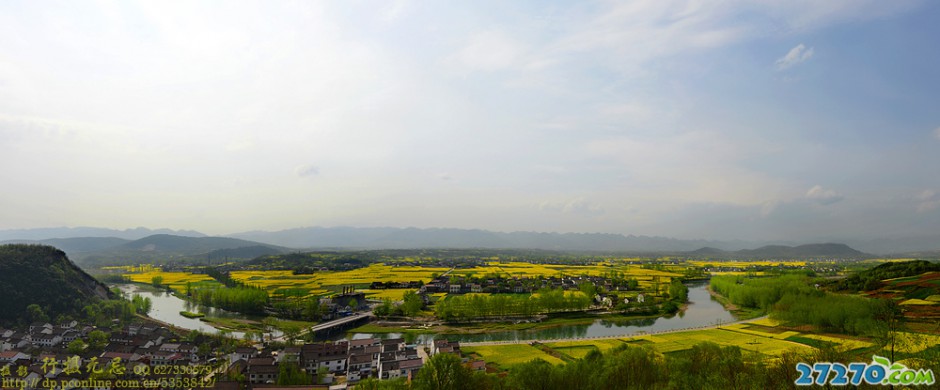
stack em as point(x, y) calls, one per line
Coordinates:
point(246, 325)
point(555, 320)
point(738, 312)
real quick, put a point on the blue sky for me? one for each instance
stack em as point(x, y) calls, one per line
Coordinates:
point(767, 120)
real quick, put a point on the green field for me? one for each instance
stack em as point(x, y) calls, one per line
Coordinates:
point(507, 355)
point(580, 349)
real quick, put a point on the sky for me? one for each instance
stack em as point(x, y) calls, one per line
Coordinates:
point(752, 120)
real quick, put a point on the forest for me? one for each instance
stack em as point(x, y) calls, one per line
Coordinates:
point(871, 279)
point(797, 300)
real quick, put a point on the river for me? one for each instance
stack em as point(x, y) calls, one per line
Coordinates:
point(167, 307)
point(702, 311)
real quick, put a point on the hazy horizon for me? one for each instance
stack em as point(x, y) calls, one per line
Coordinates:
point(770, 121)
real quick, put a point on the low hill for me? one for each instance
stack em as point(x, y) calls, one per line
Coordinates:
point(75, 245)
point(708, 251)
point(43, 275)
point(828, 250)
point(184, 245)
point(167, 248)
point(809, 250)
point(40, 234)
point(872, 279)
point(245, 252)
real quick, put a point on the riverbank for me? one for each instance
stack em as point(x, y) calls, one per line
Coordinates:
point(249, 325)
point(741, 314)
point(551, 321)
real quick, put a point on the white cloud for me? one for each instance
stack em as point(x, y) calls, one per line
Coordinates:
point(823, 196)
point(795, 56)
point(489, 51)
point(307, 170)
point(928, 200)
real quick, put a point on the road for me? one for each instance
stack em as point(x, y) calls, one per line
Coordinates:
point(604, 337)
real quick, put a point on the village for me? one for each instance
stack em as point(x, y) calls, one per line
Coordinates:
point(147, 352)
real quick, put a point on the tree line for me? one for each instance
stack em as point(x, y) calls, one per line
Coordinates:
point(705, 366)
point(465, 307)
point(795, 299)
point(246, 300)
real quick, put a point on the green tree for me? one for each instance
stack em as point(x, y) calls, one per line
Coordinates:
point(322, 374)
point(312, 310)
point(76, 347)
point(291, 331)
point(142, 304)
point(376, 384)
point(97, 339)
point(678, 291)
point(36, 314)
point(157, 281)
point(534, 375)
point(588, 288)
point(290, 374)
point(385, 309)
point(412, 303)
point(443, 371)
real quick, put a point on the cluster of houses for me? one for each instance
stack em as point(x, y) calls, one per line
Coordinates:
point(462, 285)
point(355, 359)
point(151, 345)
point(393, 285)
point(41, 352)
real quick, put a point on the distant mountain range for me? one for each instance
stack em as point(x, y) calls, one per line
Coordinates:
point(402, 238)
point(86, 240)
point(74, 232)
point(411, 238)
point(158, 247)
point(783, 251)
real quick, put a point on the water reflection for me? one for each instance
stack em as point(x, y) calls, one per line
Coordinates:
point(167, 307)
point(702, 311)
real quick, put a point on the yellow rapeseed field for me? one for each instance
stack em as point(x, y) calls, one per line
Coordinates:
point(175, 280)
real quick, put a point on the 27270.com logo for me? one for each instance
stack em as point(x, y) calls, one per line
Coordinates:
point(879, 372)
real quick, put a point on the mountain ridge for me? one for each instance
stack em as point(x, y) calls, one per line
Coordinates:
point(38, 234)
point(344, 237)
point(43, 275)
point(835, 250)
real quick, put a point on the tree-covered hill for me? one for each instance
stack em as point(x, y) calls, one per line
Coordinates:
point(43, 275)
point(829, 250)
point(872, 279)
